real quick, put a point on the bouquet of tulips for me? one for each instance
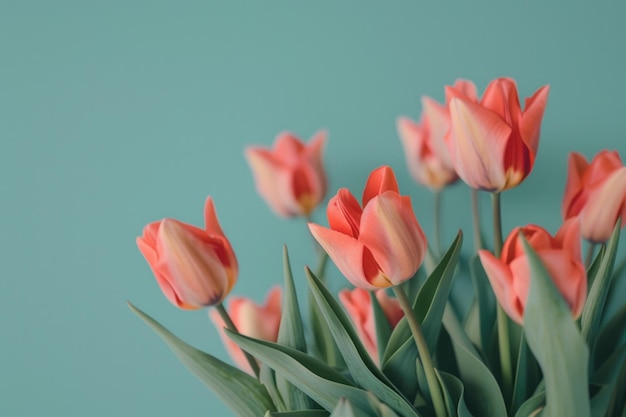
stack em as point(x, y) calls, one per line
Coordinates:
point(545, 331)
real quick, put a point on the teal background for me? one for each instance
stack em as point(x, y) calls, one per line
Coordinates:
point(115, 114)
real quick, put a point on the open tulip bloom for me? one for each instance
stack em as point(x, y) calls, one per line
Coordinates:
point(541, 332)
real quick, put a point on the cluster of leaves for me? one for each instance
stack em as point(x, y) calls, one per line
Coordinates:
point(563, 367)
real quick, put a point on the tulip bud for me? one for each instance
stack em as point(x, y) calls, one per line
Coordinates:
point(290, 177)
point(195, 268)
point(494, 143)
point(379, 245)
point(596, 193)
point(561, 256)
point(253, 320)
point(358, 304)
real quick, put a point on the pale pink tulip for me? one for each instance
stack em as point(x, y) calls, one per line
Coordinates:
point(510, 275)
point(596, 192)
point(194, 267)
point(493, 143)
point(379, 245)
point(251, 319)
point(290, 177)
point(358, 304)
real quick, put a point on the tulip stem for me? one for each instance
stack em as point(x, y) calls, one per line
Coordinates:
point(231, 326)
point(424, 354)
point(506, 368)
point(478, 239)
point(590, 251)
point(438, 223)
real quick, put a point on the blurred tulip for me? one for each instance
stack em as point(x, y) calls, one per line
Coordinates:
point(290, 177)
point(596, 192)
point(379, 245)
point(425, 150)
point(493, 143)
point(510, 275)
point(358, 303)
point(195, 268)
point(253, 320)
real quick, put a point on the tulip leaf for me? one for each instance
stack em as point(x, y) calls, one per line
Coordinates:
point(325, 345)
point(612, 335)
point(291, 334)
point(484, 397)
point(267, 377)
point(453, 392)
point(361, 366)
point(226, 381)
point(596, 300)
point(486, 304)
point(319, 381)
point(555, 341)
point(530, 406)
point(601, 401)
point(300, 413)
point(617, 405)
point(381, 410)
point(527, 375)
point(400, 355)
point(343, 409)
point(383, 329)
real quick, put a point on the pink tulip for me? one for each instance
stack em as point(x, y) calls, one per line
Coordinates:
point(290, 177)
point(253, 320)
point(510, 275)
point(426, 153)
point(596, 192)
point(493, 143)
point(379, 245)
point(194, 267)
point(358, 303)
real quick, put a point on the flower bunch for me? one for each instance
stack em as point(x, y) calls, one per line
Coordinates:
point(545, 331)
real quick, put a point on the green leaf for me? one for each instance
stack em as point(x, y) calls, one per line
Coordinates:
point(343, 409)
point(300, 413)
point(291, 334)
point(486, 303)
point(319, 381)
point(361, 366)
point(324, 343)
point(453, 392)
point(559, 348)
point(267, 377)
point(594, 306)
point(608, 372)
point(617, 405)
point(610, 337)
point(526, 375)
point(531, 405)
point(601, 401)
point(227, 382)
point(400, 355)
point(484, 397)
point(380, 409)
point(383, 329)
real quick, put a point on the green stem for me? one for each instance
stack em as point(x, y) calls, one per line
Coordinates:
point(590, 251)
point(438, 223)
point(506, 366)
point(424, 354)
point(231, 325)
point(478, 239)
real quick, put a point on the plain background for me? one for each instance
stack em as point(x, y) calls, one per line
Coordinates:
point(115, 114)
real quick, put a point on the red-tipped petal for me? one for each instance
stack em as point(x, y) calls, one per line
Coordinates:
point(287, 148)
point(479, 138)
point(501, 97)
point(344, 213)
point(501, 280)
point(211, 223)
point(604, 206)
point(569, 238)
point(380, 180)
point(573, 198)
point(530, 124)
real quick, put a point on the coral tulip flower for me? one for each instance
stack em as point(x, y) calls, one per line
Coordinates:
point(290, 177)
point(493, 143)
point(194, 267)
point(358, 304)
point(510, 275)
point(596, 192)
point(426, 153)
point(250, 319)
point(378, 245)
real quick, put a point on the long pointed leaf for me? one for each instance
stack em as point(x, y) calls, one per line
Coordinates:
point(226, 381)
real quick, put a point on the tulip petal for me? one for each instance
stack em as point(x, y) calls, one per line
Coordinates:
point(501, 97)
point(288, 147)
point(212, 224)
point(380, 180)
point(464, 89)
point(344, 213)
point(501, 280)
point(604, 206)
point(530, 123)
point(349, 256)
point(438, 119)
point(573, 198)
point(391, 232)
point(478, 140)
point(568, 237)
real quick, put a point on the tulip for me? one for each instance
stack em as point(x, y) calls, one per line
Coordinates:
point(253, 320)
point(194, 267)
point(290, 177)
point(493, 143)
point(561, 256)
point(376, 246)
point(596, 192)
point(358, 303)
point(426, 153)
